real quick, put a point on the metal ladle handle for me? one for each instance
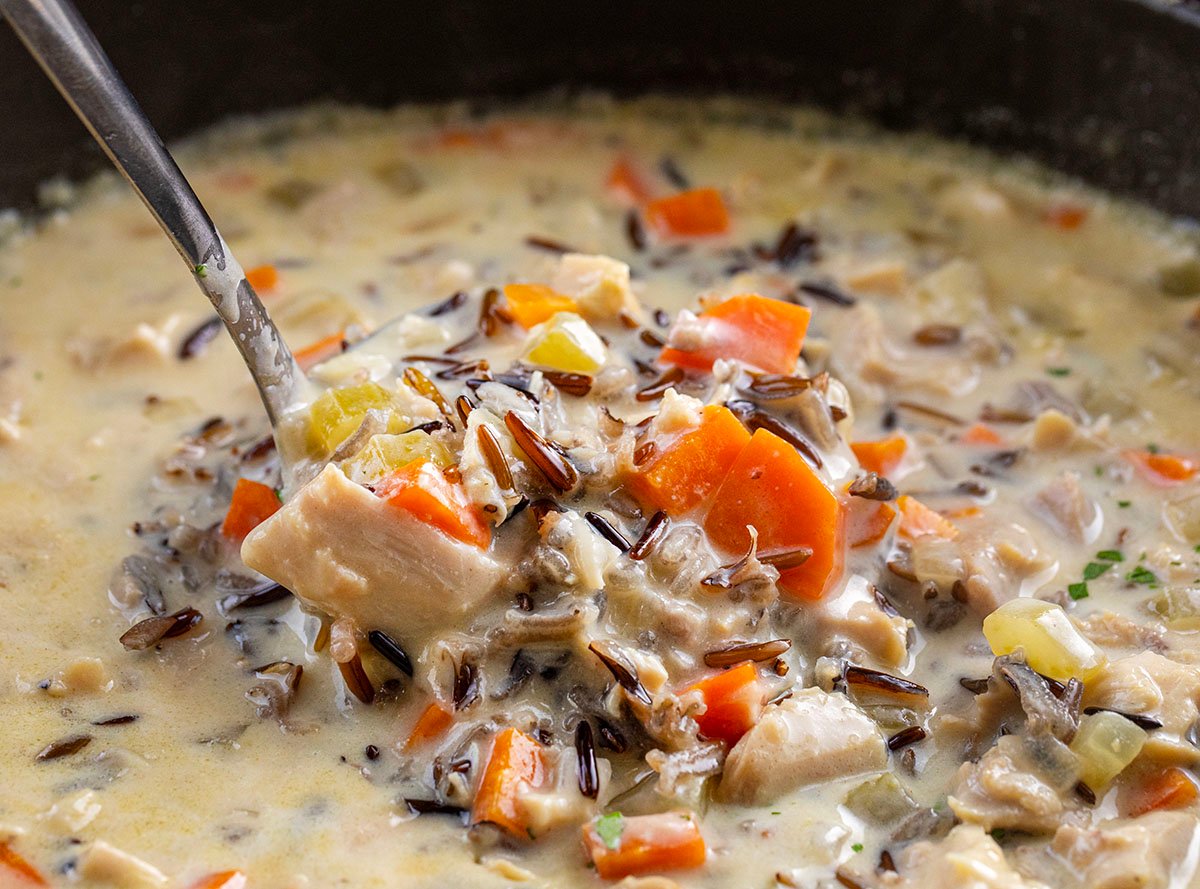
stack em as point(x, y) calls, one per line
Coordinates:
point(56, 35)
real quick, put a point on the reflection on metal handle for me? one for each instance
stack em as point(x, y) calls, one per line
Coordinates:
point(56, 35)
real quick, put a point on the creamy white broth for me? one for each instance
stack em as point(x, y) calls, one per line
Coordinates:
point(198, 783)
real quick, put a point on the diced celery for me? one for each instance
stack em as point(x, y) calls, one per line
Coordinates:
point(337, 413)
point(566, 342)
point(1179, 607)
point(1105, 744)
point(1050, 641)
point(385, 453)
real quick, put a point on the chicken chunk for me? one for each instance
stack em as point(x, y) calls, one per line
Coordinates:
point(809, 738)
point(1155, 851)
point(1007, 788)
point(599, 284)
point(1148, 684)
point(346, 552)
point(966, 859)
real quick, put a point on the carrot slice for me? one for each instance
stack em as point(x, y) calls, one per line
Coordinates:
point(226, 879)
point(263, 278)
point(421, 489)
point(625, 182)
point(1164, 470)
point(771, 487)
point(694, 213)
point(881, 456)
point(434, 720)
point(765, 333)
point(979, 434)
point(1172, 788)
point(1066, 217)
point(622, 847)
point(685, 470)
point(531, 304)
point(15, 871)
point(515, 763)
point(868, 522)
point(917, 520)
point(322, 350)
point(252, 504)
point(733, 702)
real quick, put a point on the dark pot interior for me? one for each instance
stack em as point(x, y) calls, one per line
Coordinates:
point(1105, 89)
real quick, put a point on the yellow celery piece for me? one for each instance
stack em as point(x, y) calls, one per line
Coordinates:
point(566, 342)
point(1106, 743)
point(337, 413)
point(1052, 644)
point(386, 453)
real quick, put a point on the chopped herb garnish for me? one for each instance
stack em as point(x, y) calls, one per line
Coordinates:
point(609, 828)
point(1058, 371)
point(998, 833)
point(1197, 548)
point(1124, 504)
point(202, 271)
point(1092, 570)
point(1098, 470)
point(857, 847)
point(1110, 555)
point(1077, 591)
point(1152, 448)
point(1141, 575)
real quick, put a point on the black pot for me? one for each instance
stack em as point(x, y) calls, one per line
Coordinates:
point(1105, 89)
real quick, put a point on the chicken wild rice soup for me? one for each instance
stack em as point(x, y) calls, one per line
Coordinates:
point(688, 495)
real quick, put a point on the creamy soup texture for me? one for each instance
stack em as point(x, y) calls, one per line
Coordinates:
point(509, 625)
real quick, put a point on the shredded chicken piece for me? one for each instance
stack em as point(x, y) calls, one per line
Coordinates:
point(809, 738)
point(966, 859)
point(1007, 789)
point(1148, 684)
point(1156, 851)
point(1065, 507)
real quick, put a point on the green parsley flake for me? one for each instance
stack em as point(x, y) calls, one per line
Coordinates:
point(1152, 448)
point(998, 833)
point(1141, 575)
point(857, 847)
point(1110, 555)
point(202, 271)
point(1077, 591)
point(1124, 504)
point(609, 828)
point(1092, 570)
point(1058, 371)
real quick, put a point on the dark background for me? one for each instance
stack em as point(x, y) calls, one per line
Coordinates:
point(1107, 89)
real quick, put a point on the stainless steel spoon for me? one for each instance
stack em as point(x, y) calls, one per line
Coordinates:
point(57, 36)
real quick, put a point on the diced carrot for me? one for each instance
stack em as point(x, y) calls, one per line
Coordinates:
point(1162, 469)
point(771, 487)
point(322, 350)
point(16, 872)
point(1172, 788)
point(645, 844)
point(421, 489)
point(263, 278)
point(881, 456)
point(979, 434)
point(624, 182)
point(252, 504)
point(733, 700)
point(493, 135)
point(694, 213)
point(765, 333)
point(962, 512)
point(434, 720)
point(1066, 217)
point(226, 879)
point(531, 304)
point(917, 520)
point(686, 469)
point(867, 521)
point(515, 763)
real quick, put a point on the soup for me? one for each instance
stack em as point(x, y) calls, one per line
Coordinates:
point(688, 494)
